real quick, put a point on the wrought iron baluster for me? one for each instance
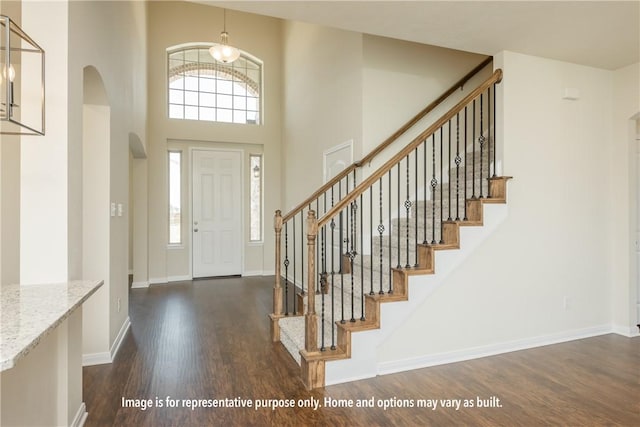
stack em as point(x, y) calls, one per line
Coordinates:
point(286, 269)
point(489, 138)
point(323, 285)
point(449, 173)
point(466, 166)
point(293, 239)
point(434, 182)
point(407, 207)
point(458, 161)
point(424, 191)
point(352, 255)
point(495, 119)
point(390, 232)
point(415, 212)
point(380, 231)
point(362, 258)
point(332, 225)
point(398, 211)
point(341, 235)
point(481, 140)
point(371, 242)
point(441, 188)
point(473, 162)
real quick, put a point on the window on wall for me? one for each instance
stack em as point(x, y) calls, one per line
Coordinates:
point(175, 205)
point(255, 167)
point(201, 88)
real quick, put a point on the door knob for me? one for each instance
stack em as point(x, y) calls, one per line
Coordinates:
point(195, 230)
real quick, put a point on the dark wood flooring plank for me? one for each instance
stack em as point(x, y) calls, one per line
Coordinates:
point(209, 339)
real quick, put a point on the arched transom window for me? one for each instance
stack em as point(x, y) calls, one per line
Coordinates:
point(201, 88)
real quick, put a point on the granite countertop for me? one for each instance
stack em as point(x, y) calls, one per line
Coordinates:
point(29, 312)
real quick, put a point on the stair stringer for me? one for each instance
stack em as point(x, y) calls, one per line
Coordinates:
point(365, 345)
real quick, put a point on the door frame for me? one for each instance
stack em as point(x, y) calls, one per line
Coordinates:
point(242, 201)
point(346, 146)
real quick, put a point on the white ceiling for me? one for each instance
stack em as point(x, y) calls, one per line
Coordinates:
point(603, 34)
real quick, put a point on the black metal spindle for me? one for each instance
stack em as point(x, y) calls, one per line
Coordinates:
point(481, 140)
point(458, 161)
point(466, 166)
point(390, 231)
point(441, 188)
point(286, 269)
point(380, 231)
point(434, 182)
point(415, 213)
point(424, 191)
point(407, 207)
point(398, 211)
point(332, 224)
point(370, 242)
point(362, 259)
point(448, 173)
point(352, 255)
point(340, 253)
point(302, 245)
point(495, 119)
point(473, 154)
point(489, 137)
point(293, 239)
point(323, 284)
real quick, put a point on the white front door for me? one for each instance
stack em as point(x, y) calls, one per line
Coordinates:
point(217, 213)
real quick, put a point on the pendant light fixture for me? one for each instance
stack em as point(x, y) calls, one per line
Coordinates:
point(222, 51)
point(21, 81)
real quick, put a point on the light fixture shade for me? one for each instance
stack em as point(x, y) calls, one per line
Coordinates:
point(22, 74)
point(222, 51)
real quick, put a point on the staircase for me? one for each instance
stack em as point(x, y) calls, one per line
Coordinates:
point(355, 242)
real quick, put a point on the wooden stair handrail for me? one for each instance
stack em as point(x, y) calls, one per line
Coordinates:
point(496, 77)
point(384, 144)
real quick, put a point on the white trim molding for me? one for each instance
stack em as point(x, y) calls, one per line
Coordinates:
point(117, 343)
point(394, 366)
point(92, 359)
point(626, 331)
point(139, 285)
point(179, 278)
point(81, 416)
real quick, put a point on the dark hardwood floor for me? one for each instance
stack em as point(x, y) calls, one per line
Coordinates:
point(209, 339)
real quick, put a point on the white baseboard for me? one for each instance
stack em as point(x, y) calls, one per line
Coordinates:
point(138, 285)
point(269, 273)
point(117, 343)
point(157, 280)
point(81, 416)
point(179, 278)
point(92, 359)
point(489, 350)
point(626, 331)
point(252, 273)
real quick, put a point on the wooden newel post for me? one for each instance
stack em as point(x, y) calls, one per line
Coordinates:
point(311, 322)
point(277, 288)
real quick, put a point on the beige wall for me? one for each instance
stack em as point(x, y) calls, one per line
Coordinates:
point(174, 23)
point(118, 56)
point(555, 242)
point(401, 78)
point(322, 102)
point(623, 164)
